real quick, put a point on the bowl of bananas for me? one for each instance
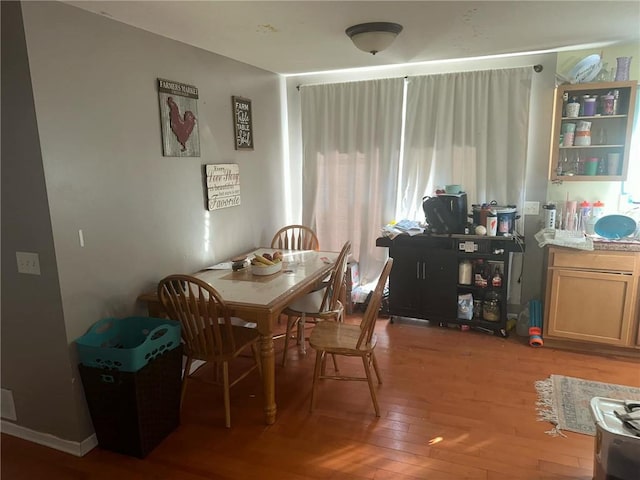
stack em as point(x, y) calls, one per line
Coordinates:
point(266, 263)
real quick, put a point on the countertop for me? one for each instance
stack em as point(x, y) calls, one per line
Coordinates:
point(623, 245)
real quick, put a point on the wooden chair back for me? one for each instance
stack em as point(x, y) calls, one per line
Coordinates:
point(336, 283)
point(295, 237)
point(204, 317)
point(368, 323)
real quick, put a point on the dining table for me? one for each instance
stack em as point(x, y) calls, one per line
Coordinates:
point(261, 299)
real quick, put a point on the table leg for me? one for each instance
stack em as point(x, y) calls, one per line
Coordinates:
point(268, 377)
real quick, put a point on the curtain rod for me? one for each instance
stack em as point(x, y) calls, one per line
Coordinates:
point(536, 68)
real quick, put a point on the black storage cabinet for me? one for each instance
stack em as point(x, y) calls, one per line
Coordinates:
point(132, 412)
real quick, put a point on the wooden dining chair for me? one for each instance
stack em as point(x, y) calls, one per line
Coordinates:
point(209, 333)
point(339, 338)
point(295, 237)
point(318, 304)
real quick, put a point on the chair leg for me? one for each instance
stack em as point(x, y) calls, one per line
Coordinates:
point(367, 370)
point(316, 374)
point(291, 321)
point(185, 376)
point(227, 402)
point(375, 366)
point(301, 341)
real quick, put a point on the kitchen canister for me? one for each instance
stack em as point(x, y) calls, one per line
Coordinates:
point(583, 134)
point(573, 109)
point(608, 105)
point(465, 268)
point(589, 107)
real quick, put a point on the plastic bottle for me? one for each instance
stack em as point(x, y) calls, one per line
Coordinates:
point(598, 209)
point(584, 214)
point(549, 215)
point(596, 212)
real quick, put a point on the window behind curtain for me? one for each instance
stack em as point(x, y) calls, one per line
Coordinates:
point(351, 144)
point(467, 128)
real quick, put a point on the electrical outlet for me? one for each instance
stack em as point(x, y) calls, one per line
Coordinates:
point(532, 208)
point(28, 263)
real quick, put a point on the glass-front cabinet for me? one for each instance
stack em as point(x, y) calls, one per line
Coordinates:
point(591, 131)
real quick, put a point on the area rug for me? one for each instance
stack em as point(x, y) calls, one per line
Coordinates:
point(564, 402)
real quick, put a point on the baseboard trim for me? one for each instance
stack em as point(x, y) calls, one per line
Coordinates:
point(79, 449)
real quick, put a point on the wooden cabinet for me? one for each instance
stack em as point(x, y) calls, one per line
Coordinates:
point(424, 280)
point(610, 133)
point(592, 297)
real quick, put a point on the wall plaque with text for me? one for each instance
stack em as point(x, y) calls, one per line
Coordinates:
point(242, 123)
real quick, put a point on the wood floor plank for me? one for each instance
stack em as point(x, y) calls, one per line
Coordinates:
point(453, 404)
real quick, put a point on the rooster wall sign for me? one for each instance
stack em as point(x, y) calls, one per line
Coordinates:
point(179, 117)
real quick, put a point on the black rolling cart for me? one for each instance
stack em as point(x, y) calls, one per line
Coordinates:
point(425, 279)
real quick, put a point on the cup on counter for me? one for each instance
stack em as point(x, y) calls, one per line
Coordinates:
point(570, 214)
point(492, 225)
point(613, 164)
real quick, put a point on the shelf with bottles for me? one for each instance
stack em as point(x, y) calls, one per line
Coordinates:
point(482, 293)
point(602, 131)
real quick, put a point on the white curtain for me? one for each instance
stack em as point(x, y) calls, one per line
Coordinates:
point(351, 147)
point(467, 128)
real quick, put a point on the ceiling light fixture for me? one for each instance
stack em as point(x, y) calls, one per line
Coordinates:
point(373, 37)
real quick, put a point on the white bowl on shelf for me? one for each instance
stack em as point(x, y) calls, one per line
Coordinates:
point(261, 269)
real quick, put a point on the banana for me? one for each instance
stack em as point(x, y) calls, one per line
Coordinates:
point(263, 260)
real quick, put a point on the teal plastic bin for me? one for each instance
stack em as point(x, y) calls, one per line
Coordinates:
point(127, 344)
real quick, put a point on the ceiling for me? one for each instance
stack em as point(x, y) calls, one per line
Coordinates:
point(293, 37)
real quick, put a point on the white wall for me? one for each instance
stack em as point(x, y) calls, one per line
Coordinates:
point(143, 215)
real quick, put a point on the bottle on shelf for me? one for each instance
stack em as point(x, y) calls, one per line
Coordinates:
point(496, 280)
point(480, 276)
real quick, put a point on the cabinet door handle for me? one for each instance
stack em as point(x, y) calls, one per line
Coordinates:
point(424, 270)
point(418, 270)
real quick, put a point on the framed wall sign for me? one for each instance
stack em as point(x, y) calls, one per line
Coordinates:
point(179, 118)
point(242, 123)
point(223, 185)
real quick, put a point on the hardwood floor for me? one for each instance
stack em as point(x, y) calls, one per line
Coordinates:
point(454, 405)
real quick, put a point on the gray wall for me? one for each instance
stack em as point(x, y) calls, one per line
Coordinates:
point(142, 214)
point(35, 359)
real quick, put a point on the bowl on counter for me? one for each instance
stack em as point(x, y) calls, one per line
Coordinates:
point(615, 226)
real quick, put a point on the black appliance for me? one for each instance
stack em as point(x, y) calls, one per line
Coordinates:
point(446, 213)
